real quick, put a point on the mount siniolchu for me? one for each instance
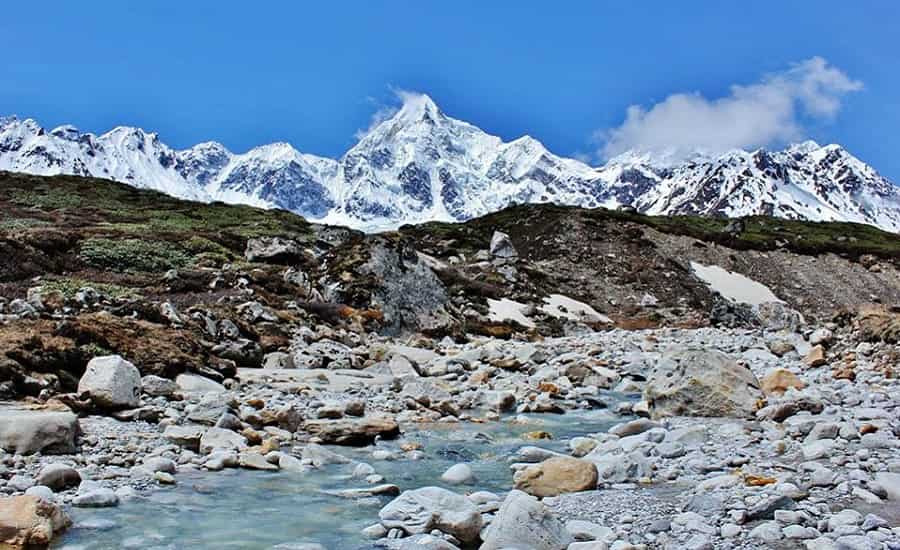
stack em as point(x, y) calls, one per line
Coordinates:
point(422, 165)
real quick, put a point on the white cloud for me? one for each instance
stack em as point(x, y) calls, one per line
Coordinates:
point(385, 111)
point(382, 113)
point(766, 113)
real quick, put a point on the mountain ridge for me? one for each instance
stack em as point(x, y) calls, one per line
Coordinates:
point(421, 165)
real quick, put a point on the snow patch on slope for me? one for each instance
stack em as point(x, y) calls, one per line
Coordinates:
point(734, 286)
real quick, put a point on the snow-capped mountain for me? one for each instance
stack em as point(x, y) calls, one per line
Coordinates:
point(422, 165)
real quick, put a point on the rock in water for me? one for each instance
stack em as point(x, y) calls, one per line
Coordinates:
point(502, 246)
point(524, 522)
point(422, 510)
point(111, 382)
point(30, 431)
point(346, 431)
point(93, 495)
point(556, 476)
point(692, 382)
point(29, 521)
point(458, 474)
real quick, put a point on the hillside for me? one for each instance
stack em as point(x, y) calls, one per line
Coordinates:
point(95, 266)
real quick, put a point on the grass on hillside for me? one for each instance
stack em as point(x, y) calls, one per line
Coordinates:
point(760, 232)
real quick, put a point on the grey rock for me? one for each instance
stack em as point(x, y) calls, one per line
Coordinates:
point(111, 382)
point(272, 250)
point(501, 246)
point(525, 522)
point(58, 476)
point(692, 382)
point(92, 495)
point(157, 386)
point(29, 431)
point(217, 439)
point(192, 383)
point(421, 510)
point(765, 509)
point(458, 474)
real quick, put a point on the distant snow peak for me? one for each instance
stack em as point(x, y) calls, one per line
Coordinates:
point(418, 107)
point(418, 164)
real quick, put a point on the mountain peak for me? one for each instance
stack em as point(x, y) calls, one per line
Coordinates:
point(417, 107)
point(807, 146)
point(422, 165)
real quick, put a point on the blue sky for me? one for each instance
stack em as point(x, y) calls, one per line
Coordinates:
point(314, 74)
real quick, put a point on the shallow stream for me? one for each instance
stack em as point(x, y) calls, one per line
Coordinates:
point(264, 510)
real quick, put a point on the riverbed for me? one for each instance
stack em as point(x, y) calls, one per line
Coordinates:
point(260, 510)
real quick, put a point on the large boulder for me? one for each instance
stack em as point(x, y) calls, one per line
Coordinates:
point(25, 431)
point(502, 246)
point(696, 382)
point(422, 510)
point(556, 476)
point(111, 382)
point(272, 250)
point(524, 522)
point(353, 431)
point(409, 295)
point(30, 521)
point(776, 316)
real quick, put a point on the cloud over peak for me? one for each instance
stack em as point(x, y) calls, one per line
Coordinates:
point(767, 112)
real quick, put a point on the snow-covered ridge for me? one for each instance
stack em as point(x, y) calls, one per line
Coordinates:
point(422, 165)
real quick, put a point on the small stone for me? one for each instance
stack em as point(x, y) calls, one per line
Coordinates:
point(777, 381)
point(458, 474)
point(815, 357)
point(164, 478)
point(730, 530)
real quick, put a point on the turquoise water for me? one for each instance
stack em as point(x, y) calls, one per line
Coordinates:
point(261, 510)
